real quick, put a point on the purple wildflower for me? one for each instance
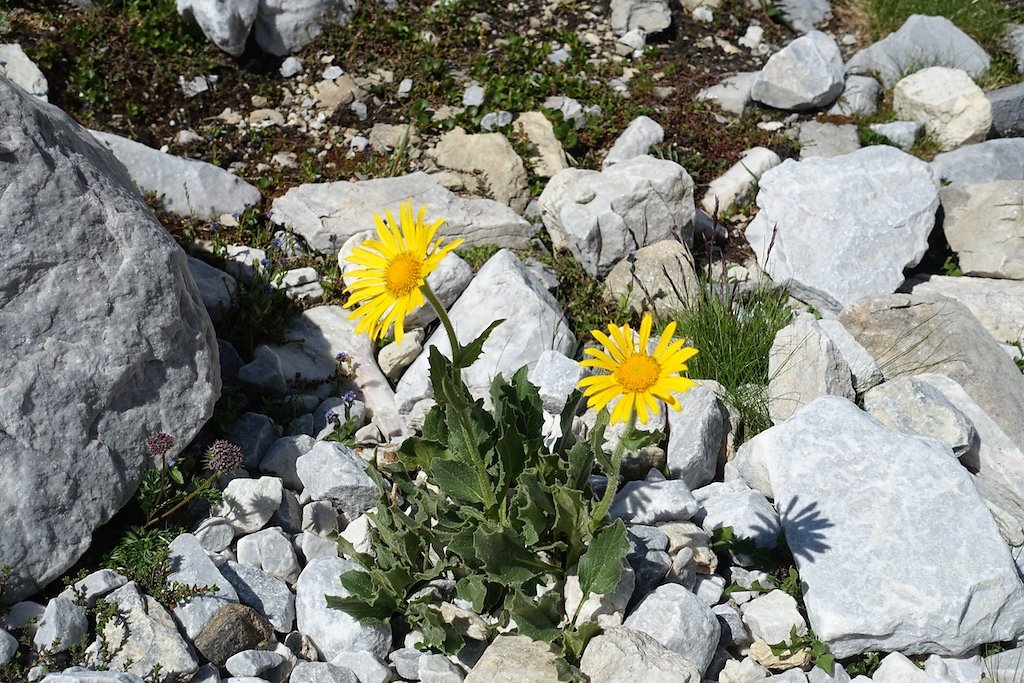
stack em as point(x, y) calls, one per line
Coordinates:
point(330, 415)
point(266, 263)
point(159, 443)
point(224, 456)
point(348, 396)
point(341, 357)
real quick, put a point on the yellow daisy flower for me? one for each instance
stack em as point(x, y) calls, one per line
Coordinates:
point(636, 378)
point(394, 267)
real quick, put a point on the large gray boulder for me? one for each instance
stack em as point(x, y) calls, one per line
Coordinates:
point(914, 334)
point(921, 42)
point(103, 333)
point(846, 486)
point(1008, 110)
point(602, 217)
point(183, 186)
point(841, 229)
point(328, 214)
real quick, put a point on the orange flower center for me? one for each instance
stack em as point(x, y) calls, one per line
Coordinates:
point(638, 373)
point(402, 274)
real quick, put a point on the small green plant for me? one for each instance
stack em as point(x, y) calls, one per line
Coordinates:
point(863, 664)
point(259, 314)
point(822, 658)
point(734, 330)
point(477, 256)
point(163, 493)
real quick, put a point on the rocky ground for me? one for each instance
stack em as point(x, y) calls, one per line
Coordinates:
point(863, 519)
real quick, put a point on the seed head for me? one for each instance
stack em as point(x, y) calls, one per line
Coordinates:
point(224, 456)
point(158, 444)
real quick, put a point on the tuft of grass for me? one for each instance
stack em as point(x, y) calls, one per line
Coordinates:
point(734, 331)
point(983, 20)
point(477, 256)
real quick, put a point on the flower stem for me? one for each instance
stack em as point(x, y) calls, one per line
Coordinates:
point(613, 475)
point(183, 501)
point(483, 481)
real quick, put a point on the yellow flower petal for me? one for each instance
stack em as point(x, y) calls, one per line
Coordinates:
point(392, 269)
point(636, 380)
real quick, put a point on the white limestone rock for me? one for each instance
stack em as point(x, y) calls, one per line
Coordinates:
point(1007, 110)
point(333, 472)
point(555, 375)
point(487, 164)
point(183, 186)
point(846, 485)
point(604, 216)
point(660, 278)
point(903, 134)
point(653, 500)
point(984, 224)
point(680, 621)
point(19, 69)
point(735, 185)
point(549, 157)
point(649, 15)
point(333, 630)
point(1000, 159)
point(859, 97)
point(283, 27)
point(324, 332)
point(327, 214)
point(911, 405)
point(271, 551)
point(804, 15)
point(863, 367)
point(838, 230)
point(502, 289)
point(62, 626)
point(827, 139)
point(193, 567)
point(921, 42)
point(806, 74)
point(804, 364)
point(226, 22)
point(515, 659)
point(104, 337)
point(623, 655)
point(732, 95)
point(141, 634)
point(773, 616)
point(248, 504)
point(215, 287)
point(268, 595)
point(953, 109)
point(913, 334)
point(696, 434)
point(997, 304)
point(736, 505)
point(396, 357)
point(636, 140)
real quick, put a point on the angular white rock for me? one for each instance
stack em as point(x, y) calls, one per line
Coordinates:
point(859, 97)
point(841, 229)
point(636, 140)
point(184, 186)
point(226, 22)
point(922, 41)
point(736, 184)
point(248, 504)
point(16, 67)
point(604, 216)
point(953, 109)
point(984, 224)
point(846, 485)
point(736, 505)
point(502, 289)
point(653, 500)
point(695, 435)
point(806, 74)
point(804, 364)
point(327, 214)
point(333, 472)
point(623, 655)
point(772, 616)
point(333, 630)
point(680, 621)
point(192, 567)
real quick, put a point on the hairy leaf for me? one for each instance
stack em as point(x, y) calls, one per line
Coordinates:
point(601, 566)
point(504, 558)
point(457, 480)
point(467, 355)
point(471, 588)
point(537, 618)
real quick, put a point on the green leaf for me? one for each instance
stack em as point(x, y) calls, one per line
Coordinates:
point(176, 476)
point(434, 427)
point(580, 461)
point(826, 663)
point(575, 641)
point(537, 618)
point(532, 506)
point(504, 558)
point(466, 441)
point(572, 521)
point(597, 443)
point(471, 588)
point(358, 584)
point(360, 610)
point(457, 480)
point(601, 566)
point(416, 453)
point(465, 356)
point(635, 439)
